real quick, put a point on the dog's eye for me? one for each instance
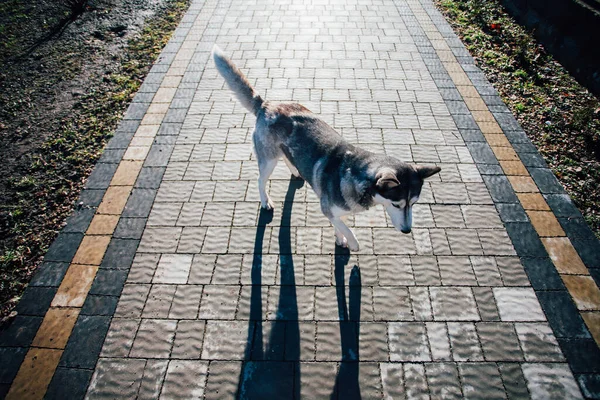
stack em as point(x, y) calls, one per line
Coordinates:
point(396, 205)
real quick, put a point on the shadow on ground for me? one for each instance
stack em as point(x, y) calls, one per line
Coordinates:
point(271, 368)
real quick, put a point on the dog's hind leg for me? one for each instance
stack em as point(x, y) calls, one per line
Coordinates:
point(293, 169)
point(265, 169)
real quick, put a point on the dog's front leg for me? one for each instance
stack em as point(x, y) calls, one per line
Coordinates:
point(347, 236)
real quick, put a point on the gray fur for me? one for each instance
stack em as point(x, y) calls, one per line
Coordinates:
point(346, 178)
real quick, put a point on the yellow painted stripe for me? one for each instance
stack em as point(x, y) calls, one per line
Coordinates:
point(566, 260)
point(41, 360)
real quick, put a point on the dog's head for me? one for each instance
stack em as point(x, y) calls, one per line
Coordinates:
point(397, 189)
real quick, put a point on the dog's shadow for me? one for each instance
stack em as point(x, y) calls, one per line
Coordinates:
point(271, 369)
point(346, 382)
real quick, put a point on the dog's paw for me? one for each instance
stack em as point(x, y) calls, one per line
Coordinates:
point(353, 245)
point(268, 205)
point(342, 242)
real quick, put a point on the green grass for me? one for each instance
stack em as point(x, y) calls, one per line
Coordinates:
point(560, 116)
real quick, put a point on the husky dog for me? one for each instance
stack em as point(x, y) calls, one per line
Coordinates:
point(347, 179)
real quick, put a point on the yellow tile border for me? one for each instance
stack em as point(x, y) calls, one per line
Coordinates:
point(560, 249)
point(41, 360)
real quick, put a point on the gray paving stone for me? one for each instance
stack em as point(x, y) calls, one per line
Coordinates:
point(481, 381)
point(222, 379)
point(154, 339)
point(453, 304)
point(499, 341)
point(518, 304)
point(116, 378)
point(464, 342)
point(185, 379)
point(188, 339)
point(443, 380)
point(152, 381)
point(408, 342)
point(548, 380)
point(225, 340)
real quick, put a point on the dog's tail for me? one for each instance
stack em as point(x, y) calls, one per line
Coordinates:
point(237, 81)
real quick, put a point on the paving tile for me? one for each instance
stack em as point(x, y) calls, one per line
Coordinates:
point(116, 378)
point(317, 380)
point(203, 295)
point(99, 305)
point(582, 353)
point(56, 327)
point(542, 274)
point(225, 340)
point(518, 304)
point(512, 271)
point(85, 342)
point(186, 302)
point(154, 338)
point(592, 320)
point(114, 200)
point(35, 374)
point(499, 341)
point(533, 201)
point(35, 301)
point(589, 384)
point(547, 380)
point(443, 380)
point(390, 304)
point(486, 303)
point(545, 223)
point(139, 203)
point(584, 291)
point(12, 358)
point(159, 301)
point(525, 240)
point(188, 339)
point(79, 220)
point(173, 268)
point(564, 256)
point(415, 381)
point(453, 304)
point(464, 342)
point(132, 300)
point(103, 225)
point(109, 282)
point(267, 379)
point(75, 286)
point(68, 383)
point(222, 379)
point(538, 342)
point(126, 174)
point(514, 381)
point(408, 342)
point(481, 381)
point(49, 274)
point(20, 331)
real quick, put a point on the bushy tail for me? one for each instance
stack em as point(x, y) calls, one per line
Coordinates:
point(237, 82)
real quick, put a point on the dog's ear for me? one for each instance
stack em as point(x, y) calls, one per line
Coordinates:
point(425, 171)
point(386, 180)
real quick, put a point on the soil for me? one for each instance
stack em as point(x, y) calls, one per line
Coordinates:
point(68, 70)
point(560, 116)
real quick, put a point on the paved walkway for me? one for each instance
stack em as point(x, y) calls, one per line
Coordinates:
point(168, 281)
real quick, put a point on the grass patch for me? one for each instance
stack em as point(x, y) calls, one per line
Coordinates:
point(559, 115)
point(44, 195)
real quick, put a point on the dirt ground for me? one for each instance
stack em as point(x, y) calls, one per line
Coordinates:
point(68, 70)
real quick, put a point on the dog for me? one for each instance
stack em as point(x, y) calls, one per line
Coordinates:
point(346, 178)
